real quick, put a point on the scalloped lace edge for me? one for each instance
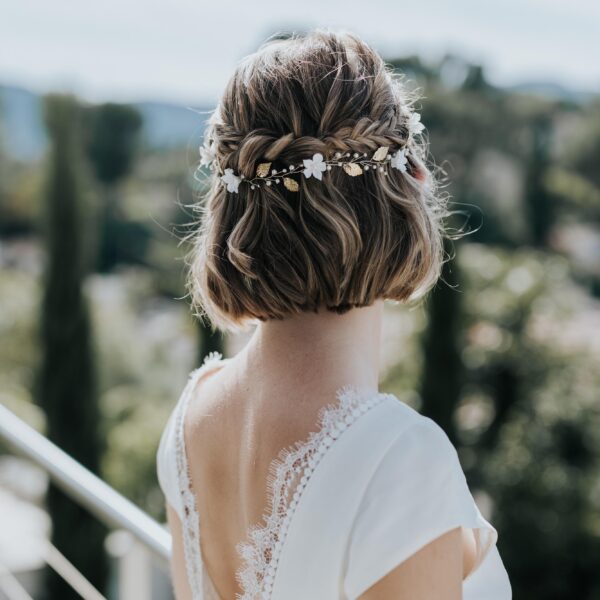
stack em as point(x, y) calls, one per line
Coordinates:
point(191, 521)
point(288, 476)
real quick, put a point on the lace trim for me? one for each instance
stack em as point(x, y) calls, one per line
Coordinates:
point(191, 522)
point(288, 476)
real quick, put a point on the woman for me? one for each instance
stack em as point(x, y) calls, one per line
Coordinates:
point(287, 474)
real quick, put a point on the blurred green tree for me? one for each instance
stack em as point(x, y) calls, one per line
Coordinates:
point(67, 379)
point(112, 141)
point(538, 201)
point(209, 340)
point(442, 373)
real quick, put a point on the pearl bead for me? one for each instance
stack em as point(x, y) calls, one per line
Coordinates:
point(274, 172)
point(268, 183)
point(366, 167)
point(277, 180)
point(291, 167)
point(329, 167)
point(338, 155)
point(284, 170)
point(356, 155)
point(365, 154)
point(252, 187)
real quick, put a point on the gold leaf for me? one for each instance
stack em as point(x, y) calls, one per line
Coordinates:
point(381, 153)
point(352, 169)
point(263, 169)
point(291, 184)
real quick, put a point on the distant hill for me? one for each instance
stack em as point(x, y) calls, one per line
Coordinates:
point(165, 125)
point(551, 90)
point(22, 128)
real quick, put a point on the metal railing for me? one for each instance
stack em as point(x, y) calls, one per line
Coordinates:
point(85, 488)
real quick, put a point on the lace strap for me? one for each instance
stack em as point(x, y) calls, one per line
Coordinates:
point(288, 476)
point(191, 522)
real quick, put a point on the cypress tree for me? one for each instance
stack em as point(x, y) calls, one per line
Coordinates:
point(209, 340)
point(538, 200)
point(67, 382)
point(442, 372)
point(112, 143)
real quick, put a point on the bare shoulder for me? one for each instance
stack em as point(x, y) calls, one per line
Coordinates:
point(208, 397)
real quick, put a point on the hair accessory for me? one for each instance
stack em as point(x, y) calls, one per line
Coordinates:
point(353, 164)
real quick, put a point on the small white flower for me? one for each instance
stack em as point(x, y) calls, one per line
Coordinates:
point(208, 153)
point(231, 180)
point(414, 124)
point(314, 167)
point(399, 161)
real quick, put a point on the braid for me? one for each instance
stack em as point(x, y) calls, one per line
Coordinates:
point(243, 152)
point(366, 135)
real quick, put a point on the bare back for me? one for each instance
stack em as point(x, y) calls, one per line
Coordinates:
point(235, 427)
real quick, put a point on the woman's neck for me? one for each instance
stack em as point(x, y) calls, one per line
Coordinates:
point(321, 349)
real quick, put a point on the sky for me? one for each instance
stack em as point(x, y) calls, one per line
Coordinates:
point(185, 50)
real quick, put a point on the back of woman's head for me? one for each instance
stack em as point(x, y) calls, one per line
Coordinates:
point(274, 240)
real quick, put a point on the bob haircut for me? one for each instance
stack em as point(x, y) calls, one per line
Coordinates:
point(339, 243)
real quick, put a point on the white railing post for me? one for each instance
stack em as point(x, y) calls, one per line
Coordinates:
point(134, 566)
point(85, 488)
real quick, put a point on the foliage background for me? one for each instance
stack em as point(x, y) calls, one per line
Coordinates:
point(504, 354)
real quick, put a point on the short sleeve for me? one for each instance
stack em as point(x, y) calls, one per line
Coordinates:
point(417, 493)
point(166, 465)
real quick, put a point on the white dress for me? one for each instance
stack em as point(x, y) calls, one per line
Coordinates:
point(371, 485)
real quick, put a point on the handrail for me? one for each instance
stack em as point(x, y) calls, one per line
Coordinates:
point(110, 507)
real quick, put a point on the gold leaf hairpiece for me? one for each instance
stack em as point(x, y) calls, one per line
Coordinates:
point(352, 169)
point(381, 153)
point(291, 184)
point(263, 169)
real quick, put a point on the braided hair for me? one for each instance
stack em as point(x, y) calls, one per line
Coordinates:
point(339, 243)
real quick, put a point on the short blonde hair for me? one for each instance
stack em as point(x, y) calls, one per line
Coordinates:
point(339, 243)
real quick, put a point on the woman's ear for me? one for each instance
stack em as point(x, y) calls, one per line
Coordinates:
point(419, 173)
point(416, 170)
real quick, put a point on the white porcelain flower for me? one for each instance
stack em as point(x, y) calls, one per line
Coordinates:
point(231, 180)
point(414, 124)
point(315, 167)
point(208, 153)
point(399, 161)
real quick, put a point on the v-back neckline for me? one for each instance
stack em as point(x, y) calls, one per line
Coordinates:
point(288, 475)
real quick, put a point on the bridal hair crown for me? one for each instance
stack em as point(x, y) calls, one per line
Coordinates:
point(352, 163)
